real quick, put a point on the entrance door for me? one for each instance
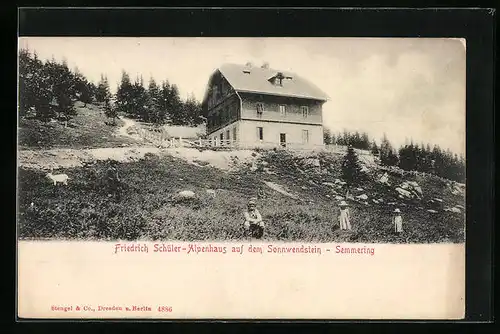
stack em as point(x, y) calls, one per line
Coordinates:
point(283, 139)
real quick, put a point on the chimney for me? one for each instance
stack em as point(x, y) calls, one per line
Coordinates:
point(265, 65)
point(247, 68)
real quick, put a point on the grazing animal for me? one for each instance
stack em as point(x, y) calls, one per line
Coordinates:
point(59, 178)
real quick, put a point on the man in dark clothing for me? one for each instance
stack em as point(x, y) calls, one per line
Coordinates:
point(113, 180)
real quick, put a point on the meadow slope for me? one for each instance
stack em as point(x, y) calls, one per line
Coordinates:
point(148, 208)
point(297, 198)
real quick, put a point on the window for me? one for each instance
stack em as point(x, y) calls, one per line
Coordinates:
point(283, 139)
point(282, 110)
point(234, 134)
point(305, 136)
point(260, 133)
point(260, 108)
point(227, 135)
point(305, 111)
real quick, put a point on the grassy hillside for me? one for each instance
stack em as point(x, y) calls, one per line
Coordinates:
point(149, 209)
point(87, 129)
point(298, 202)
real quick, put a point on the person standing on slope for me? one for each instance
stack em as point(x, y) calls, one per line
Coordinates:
point(397, 221)
point(344, 216)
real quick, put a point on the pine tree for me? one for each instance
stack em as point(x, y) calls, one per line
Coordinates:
point(351, 168)
point(110, 111)
point(139, 100)
point(124, 94)
point(327, 137)
point(103, 93)
point(387, 155)
point(392, 158)
point(374, 148)
point(365, 141)
point(346, 138)
point(437, 161)
point(64, 91)
point(175, 106)
point(153, 103)
point(192, 111)
point(40, 90)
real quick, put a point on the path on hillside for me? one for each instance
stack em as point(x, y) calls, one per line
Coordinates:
point(68, 158)
point(128, 123)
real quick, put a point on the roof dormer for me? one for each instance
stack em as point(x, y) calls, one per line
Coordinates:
point(278, 79)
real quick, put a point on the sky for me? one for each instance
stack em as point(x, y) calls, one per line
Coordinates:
point(407, 88)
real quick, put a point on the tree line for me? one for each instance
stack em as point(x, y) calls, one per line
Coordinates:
point(157, 103)
point(49, 90)
point(410, 157)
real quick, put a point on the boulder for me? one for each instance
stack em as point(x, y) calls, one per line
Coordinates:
point(456, 188)
point(330, 184)
point(211, 192)
point(186, 194)
point(404, 193)
point(339, 198)
point(413, 188)
point(432, 211)
point(340, 182)
point(359, 189)
point(384, 179)
point(312, 162)
point(363, 197)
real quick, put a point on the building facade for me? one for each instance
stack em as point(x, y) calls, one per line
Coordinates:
point(259, 106)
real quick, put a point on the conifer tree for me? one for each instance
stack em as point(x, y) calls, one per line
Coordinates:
point(153, 103)
point(124, 94)
point(365, 142)
point(327, 136)
point(374, 148)
point(103, 92)
point(351, 168)
point(110, 111)
point(139, 100)
point(387, 155)
point(176, 109)
point(192, 111)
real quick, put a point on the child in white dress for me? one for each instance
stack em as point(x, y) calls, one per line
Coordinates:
point(397, 221)
point(345, 224)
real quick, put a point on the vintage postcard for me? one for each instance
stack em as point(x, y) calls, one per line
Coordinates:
point(241, 178)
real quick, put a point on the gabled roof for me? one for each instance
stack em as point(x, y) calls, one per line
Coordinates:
point(257, 80)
